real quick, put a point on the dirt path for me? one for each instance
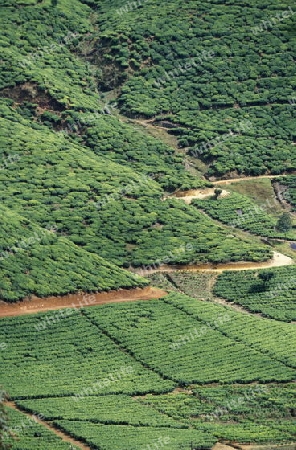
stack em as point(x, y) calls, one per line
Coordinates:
point(236, 180)
point(235, 306)
point(199, 194)
point(236, 446)
point(219, 446)
point(278, 260)
point(36, 304)
point(78, 300)
point(51, 427)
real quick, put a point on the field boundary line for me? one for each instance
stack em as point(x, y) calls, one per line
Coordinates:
point(253, 347)
point(127, 351)
point(61, 434)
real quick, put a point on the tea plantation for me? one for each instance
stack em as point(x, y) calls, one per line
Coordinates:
point(240, 211)
point(29, 434)
point(290, 190)
point(273, 296)
point(108, 375)
point(110, 111)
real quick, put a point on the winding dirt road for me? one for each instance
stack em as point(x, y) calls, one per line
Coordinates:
point(278, 260)
point(236, 180)
point(36, 304)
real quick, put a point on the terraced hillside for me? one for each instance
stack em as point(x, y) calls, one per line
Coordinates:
point(137, 137)
point(41, 260)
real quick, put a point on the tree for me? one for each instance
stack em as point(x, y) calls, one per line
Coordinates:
point(54, 3)
point(266, 276)
point(217, 193)
point(284, 223)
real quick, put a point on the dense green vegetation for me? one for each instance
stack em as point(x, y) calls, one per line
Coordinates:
point(289, 194)
point(275, 299)
point(108, 109)
point(112, 371)
point(150, 330)
point(34, 260)
point(107, 409)
point(99, 180)
point(69, 349)
point(4, 434)
point(122, 143)
point(233, 412)
point(91, 201)
point(269, 337)
point(240, 211)
point(110, 437)
point(27, 434)
point(225, 411)
point(205, 70)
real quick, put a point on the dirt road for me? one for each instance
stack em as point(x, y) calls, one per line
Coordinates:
point(36, 305)
point(236, 180)
point(199, 194)
point(278, 260)
point(78, 300)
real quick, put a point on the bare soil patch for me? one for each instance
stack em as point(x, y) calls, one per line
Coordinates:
point(31, 92)
point(198, 194)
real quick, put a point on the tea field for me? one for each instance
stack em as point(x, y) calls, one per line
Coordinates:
point(108, 110)
point(289, 195)
point(239, 211)
point(29, 434)
point(103, 207)
point(129, 375)
point(32, 265)
point(274, 297)
point(203, 70)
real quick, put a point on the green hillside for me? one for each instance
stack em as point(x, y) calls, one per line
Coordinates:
point(207, 69)
point(61, 77)
point(273, 296)
point(102, 206)
point(154, 138)
point(34, 260)
point(240, 211)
